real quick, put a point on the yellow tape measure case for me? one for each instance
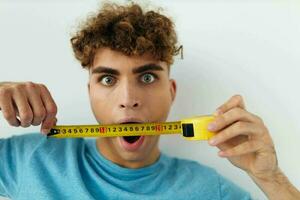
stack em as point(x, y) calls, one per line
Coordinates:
point(195, 128)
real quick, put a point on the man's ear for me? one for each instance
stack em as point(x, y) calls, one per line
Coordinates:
point(173, 89)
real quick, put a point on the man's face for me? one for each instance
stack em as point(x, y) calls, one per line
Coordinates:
point(129, 89)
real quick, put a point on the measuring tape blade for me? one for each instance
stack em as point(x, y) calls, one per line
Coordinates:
point(194, 128)
point(113, 130)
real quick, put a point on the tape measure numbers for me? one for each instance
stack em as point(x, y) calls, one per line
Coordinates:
point(194, 128)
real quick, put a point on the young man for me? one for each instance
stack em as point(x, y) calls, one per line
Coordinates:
point(128, 53)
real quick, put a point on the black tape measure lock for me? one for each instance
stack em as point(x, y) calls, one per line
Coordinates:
point(194, 128)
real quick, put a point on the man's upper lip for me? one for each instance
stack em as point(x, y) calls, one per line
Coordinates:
point(130, 119)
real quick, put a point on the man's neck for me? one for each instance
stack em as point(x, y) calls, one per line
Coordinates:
point(106, 151)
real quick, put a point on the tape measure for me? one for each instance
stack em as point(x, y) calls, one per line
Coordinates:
point(194, 128)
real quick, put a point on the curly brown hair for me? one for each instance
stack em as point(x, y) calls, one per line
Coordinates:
point(127, 29)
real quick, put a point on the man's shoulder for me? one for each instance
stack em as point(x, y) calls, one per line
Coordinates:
point(33, 137)
point(22, 142)
point(208, 179)
point(31, 143)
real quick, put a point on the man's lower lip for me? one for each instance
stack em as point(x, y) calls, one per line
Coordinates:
point(131, 146)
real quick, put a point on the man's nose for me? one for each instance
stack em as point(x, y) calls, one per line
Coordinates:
point(129, 97)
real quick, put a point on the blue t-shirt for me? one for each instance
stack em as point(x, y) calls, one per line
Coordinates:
point(36, 167)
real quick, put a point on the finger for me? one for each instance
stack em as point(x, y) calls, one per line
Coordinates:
point(46, 131)
point(37, 106)
point(234, 101)
point(23, 107)
point(55, 121)
point(8, 110)
point(242, 149)
point(233, 142)
point(238, 128)
point(228, 118)
point(51, 109)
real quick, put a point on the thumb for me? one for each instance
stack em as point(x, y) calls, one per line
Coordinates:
point(47, 125)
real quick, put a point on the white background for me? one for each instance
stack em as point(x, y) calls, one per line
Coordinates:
point(230, 47)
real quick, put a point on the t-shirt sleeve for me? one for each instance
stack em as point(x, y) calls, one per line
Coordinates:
point(14, 152)
point(229, 190)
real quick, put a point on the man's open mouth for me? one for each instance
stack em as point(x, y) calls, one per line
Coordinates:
point(131, 139)
point(132, 143)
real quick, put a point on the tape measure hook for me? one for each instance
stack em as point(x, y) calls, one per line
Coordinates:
point(53, 132)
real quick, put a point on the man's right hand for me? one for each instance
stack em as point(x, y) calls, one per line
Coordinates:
point(26, 103)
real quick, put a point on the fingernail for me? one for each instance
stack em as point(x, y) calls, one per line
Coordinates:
point(221, 153)
point(211, 126)
point(217, 112)
point(45, 131)
point(212, 141)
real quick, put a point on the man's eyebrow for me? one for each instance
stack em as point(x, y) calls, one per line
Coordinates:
point(102, 69)
point(147, 67)
point(137, 70)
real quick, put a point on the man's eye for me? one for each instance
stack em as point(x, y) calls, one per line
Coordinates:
point(107, 80)
point(148, 78)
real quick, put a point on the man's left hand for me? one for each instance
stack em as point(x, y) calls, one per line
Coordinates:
point(243, 138)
